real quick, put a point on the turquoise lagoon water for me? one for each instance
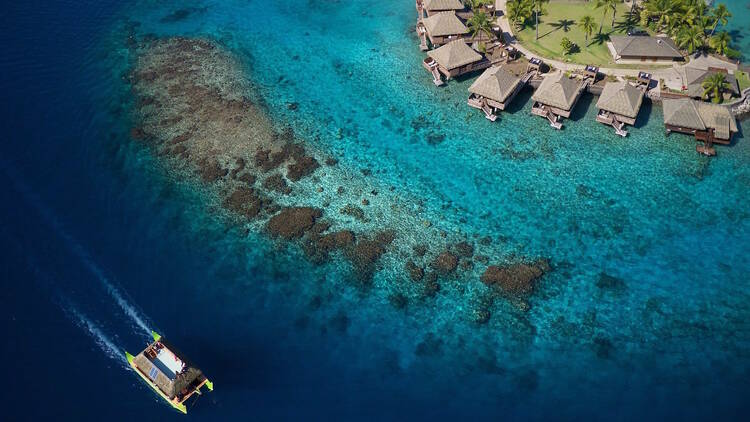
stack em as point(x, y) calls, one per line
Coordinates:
point(643, 316)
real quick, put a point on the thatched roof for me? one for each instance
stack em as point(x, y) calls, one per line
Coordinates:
point(694, 78)
point(719, 118)
point(496, 83)
point(557, 90)
point(642, 46)
point(443, 5)
point(621, 98)
point(454, 54)
point(699, 115)
point(682, 113)
point(444, 23)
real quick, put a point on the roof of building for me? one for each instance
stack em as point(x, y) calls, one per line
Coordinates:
point(641, 46)
point(719, 118)
point(444, 23)
point(557, 90)
point(495, 83)
point(621, 98)
point(454, 54)
point(443, 5)
point(694, 81)
point(699, 115)
point(682, 113)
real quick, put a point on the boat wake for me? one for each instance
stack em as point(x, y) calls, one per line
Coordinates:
point(137, 318)
point(106, 344)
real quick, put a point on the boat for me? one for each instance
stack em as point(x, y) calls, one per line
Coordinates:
point(168, 372)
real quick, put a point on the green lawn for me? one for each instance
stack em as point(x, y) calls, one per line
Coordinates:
point(561, 21)
point(742, 79)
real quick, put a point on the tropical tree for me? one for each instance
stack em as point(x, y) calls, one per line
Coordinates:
point(721, 15)
point(690, 38)
point(714, 86)
point(657, 14)
point(537, 6)
point(519, 12)
point(480, 23)
point(720, 42)
point(606, 5)
point(566, 45)
point(587, 25)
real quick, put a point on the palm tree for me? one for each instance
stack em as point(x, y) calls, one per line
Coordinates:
point(588, 26)
point(722, 15)
point(606, 5)
point(519, 11)
point(537, 7)
point(690, 38)
point(480, 23)
point(720, 42)
point(714, 86)
point(662, 10)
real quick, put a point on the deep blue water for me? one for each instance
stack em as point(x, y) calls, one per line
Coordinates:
point(100, 244)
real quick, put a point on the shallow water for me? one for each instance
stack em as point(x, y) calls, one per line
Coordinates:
point(645, 313)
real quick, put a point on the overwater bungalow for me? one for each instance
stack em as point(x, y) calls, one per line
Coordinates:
point(709, 123)
point(618, 105)
point(452, 60)
point(495, 89)
point(431, 7)
point(441, 28)
point(556, 97)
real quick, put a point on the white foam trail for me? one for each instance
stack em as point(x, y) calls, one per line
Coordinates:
point(130, 310)
point(95, 332)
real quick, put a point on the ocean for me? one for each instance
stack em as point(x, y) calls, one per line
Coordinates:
point(644, 314)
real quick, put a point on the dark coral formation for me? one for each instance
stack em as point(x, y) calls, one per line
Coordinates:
point(292, 223)
point(196, 111)
point(445, 263)
point(516, 279)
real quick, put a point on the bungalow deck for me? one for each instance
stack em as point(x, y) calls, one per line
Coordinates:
point(489, 106)
point(553, 114)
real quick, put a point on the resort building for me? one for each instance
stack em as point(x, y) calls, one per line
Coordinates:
point(432, 7)
point(640, 48)
point(556, 97)
point(441, 28)
point(495, 89)
point(452, 60)
point(618, 105)
point(694, 78)
point(709, 123)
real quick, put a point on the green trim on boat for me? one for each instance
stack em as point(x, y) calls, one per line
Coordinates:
point(210, 385)
point(156, 336)
point(179, 406)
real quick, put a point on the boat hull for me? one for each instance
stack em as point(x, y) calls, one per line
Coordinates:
point(179, 406)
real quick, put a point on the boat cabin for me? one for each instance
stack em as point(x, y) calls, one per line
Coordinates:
point(168, 372)
point(556, 97)
point(619, 104)
point(442, 28)
point(708, 123)
point(454, 59)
